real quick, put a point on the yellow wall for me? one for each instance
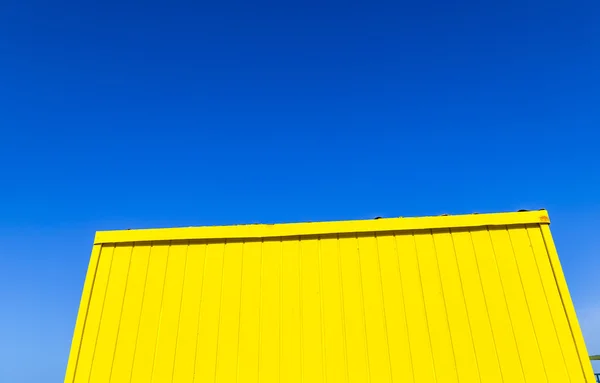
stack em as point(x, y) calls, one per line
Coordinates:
point(478, 298)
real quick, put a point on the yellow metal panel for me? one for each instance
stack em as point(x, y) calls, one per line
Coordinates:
point(336, 369)
point(435, 307)
point(477, 298)
point(524, 333)
point(249, 331)
point(559, 320)
point(210, 313)
point(568, 305)
point(149, 325)
point(130, 316)
point(416, 317)
point(83, 313)
point(187, 338)
point(166, 341)
point(227, 346)
point(458, 319)
point(85, 358)
point(321, 228)
point(537, 303)
point(375, 323)
point(269, 364)
point(111, 315)
point(354, 318)
point(395, 312)
point(291, 328)
point(479, 323)
point(312, 332)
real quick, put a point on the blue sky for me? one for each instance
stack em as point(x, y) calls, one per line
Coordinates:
point(128, 115)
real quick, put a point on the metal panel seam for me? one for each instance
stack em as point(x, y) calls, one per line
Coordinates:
point(101, 312)
point(280, 307)
point(545, 293)
point(510, 317)
point(343, 312)
point(485, 301)
point(200, 307)
point(568, 306)
point(260, 305)
point(444, 304)
point(464, 300)
point(121, 311)
point(220, 309)
point(137, 331)
point(187, 249)
point(435, 373)
point(385, 328)
point(160, 315)
point(397, 258)
point(322, 294)
point(527, 304)
point(301, 310)
point(84, 305)
point(237, 360)
point(362, 303)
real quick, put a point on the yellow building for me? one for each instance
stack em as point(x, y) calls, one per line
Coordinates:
point(474, 298)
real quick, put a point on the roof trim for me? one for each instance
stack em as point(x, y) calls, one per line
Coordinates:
point(321, 228)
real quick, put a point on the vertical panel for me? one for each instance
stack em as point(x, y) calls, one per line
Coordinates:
point(476, 307)
point(567, 304)
point(517, 306)
point(393, 298)
point(454, 297)
point(130, 318)
point(169, 318)
point(437, 318)
point(377, 344)
point(111, 314)
point(354, 315)
point(250, 313)
point(92, 325)
point(502, 328)
point(538, 306)
point(334, 328)
point(291, 353)
point(82, 314)
point(210, 313)
point(311, 311)
point(555, 304)
point(416, 318)
point(143, 361)
point(270, 312)
point(187, 338)
point(230, 312)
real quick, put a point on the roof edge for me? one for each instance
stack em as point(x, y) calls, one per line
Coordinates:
point(322, 228)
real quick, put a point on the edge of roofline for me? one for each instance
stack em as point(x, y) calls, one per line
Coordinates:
point(322, 228)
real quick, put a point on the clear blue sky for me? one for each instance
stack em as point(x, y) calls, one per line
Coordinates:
point(126, 115)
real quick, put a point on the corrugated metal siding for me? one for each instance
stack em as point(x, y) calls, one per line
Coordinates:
point(443, 305)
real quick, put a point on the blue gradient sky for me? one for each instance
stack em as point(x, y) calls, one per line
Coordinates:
point(127, 115)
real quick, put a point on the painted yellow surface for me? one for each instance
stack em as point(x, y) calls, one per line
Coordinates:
point(474, 298)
